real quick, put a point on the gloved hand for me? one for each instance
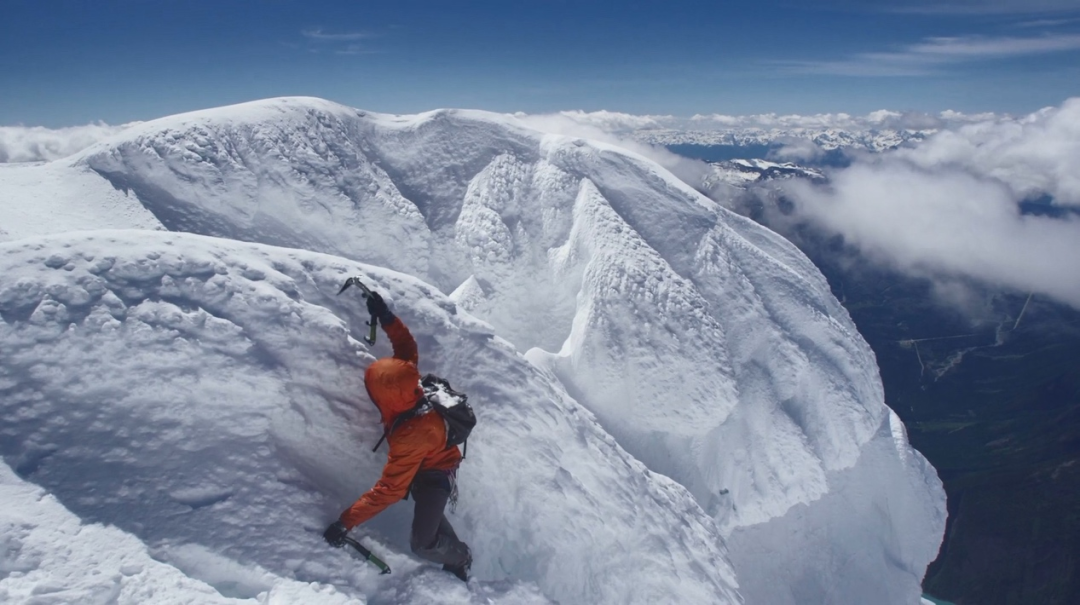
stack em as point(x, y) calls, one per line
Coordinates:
point(378, 309)
point(335, 534)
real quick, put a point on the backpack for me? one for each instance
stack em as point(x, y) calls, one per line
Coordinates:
point(452, 405)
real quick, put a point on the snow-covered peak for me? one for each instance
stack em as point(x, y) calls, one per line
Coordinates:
point(706, 348)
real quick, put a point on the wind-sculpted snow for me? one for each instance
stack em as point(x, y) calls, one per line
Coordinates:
point(707, 346)
point(206, 397)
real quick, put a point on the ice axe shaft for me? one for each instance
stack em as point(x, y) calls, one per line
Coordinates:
point(376, 561)
point(365, 292)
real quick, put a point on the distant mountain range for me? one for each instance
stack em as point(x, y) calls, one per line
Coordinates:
point(743, 172)
point(876, 131)
point(825, 138)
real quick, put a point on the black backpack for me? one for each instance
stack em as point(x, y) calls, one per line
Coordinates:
point(452, 405)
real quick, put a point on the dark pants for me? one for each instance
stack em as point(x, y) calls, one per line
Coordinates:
point(432, 536)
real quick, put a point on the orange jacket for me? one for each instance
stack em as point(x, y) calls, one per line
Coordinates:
point(417, 444)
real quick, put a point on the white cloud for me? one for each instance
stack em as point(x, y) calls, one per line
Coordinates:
point(1044, 23)
point(719, 119)
point(984, 7)
point(318, 34)
point(339, 43)
point(35, 143)
point(1031, 156)
point(930, 55)
point(795, 149)
point(955, 116)
point(979, 46)
point(950, 206)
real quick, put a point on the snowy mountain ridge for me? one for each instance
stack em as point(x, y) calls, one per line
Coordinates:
point(702, 345)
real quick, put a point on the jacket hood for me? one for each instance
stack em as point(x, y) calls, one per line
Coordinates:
point(394, 386)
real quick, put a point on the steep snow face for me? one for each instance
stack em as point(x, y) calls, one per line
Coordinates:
point(206, 397)
point(898, 528)
point(710, 348)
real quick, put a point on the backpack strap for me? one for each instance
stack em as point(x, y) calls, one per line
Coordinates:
point(402, 417)
point(381, 439)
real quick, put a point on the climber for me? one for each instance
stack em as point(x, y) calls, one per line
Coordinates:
point(419, 462)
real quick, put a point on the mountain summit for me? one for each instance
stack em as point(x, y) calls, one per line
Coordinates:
point(677, 403)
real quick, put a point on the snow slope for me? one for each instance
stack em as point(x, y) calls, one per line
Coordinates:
point(708, 348)
point(50, 556)
point(206, 397)
point(37, 199)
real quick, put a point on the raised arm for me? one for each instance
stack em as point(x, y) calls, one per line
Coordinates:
point(400, 338)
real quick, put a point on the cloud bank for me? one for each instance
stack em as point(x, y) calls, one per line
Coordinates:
point(1032, 156)
point(38, 144)
point(951, 207)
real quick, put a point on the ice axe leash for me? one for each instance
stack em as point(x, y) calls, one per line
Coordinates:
point(376, 561)
point(365, 292)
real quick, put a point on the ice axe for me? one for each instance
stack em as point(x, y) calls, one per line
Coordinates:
point(366, 292)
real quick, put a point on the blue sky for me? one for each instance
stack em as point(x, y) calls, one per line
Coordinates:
point(65, 62)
